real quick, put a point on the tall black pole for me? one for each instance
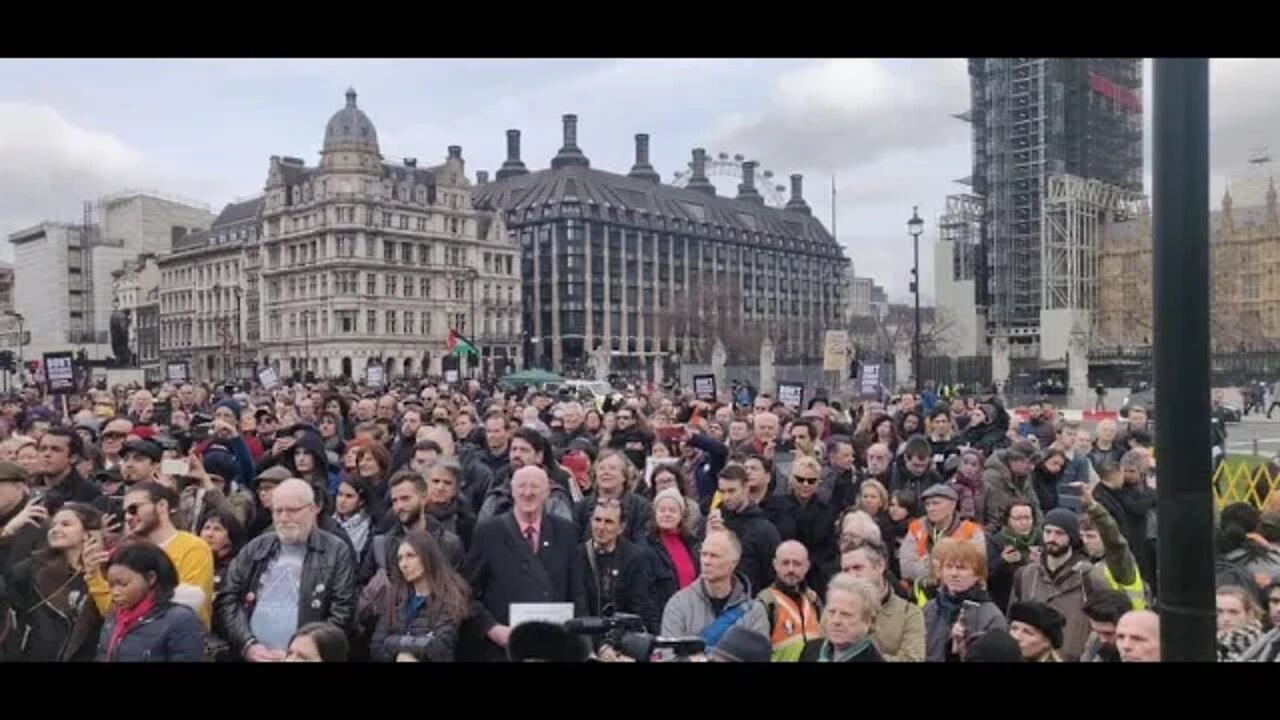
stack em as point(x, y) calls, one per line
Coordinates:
point(1180, 258)
point(916, 283)
point(306, 345)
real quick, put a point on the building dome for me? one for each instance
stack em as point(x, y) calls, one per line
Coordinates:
point(350, 129)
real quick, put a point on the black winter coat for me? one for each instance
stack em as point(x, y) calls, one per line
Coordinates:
point(432, 636)
point(48, 615)
point(502, 569)
point(813, 650)
point(987, 437)
point(169, 633)
point(663, 569)
point(637, 510)
point(385, 546)
point(74, 488)
point(813, 525)
point(456, 517)
point(902, 479)
point(759, 540)
point(633, 590)
point(1046, 485)
point(327, 591)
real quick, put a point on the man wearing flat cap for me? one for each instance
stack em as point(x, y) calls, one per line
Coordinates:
point(941, 520)
point(1038, 629)
point(140, 461)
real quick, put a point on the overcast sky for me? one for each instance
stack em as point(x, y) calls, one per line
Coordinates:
point(204, 129)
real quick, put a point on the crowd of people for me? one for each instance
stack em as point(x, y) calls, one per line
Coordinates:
point(425, 523)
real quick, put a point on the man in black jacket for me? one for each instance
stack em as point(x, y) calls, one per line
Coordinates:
point(408, 501)
point(617, 571)
point(493, 454)
point(58, 474)
point(808, 520)
point(286, 578)
point(758, 536)
point(839, 487)
point(524, 556)
point(914, 470)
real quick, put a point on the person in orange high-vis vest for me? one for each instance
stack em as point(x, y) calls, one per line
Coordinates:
point(940, 521)
point(794, 610)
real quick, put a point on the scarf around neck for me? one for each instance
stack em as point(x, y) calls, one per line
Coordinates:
point(126, 619)
point(828, 652)
point(356, 527)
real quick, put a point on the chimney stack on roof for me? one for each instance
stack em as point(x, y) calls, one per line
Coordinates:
point(797, 203)
point(642, 170)
point(482, 177)
point(698, 181)
point(411, 162)
point(455, 152)
point(747, 190)
point(570, 154)
point(514, 165)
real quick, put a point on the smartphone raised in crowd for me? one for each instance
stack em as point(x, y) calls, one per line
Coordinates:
point(175, 467)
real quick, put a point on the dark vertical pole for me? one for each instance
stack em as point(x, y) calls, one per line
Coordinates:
point(1180, 256)
point(916, 282)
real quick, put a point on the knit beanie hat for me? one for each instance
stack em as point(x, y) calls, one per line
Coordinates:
point(994, 646)
point(1041, 617)
point(670, 494)
point(1066, 521)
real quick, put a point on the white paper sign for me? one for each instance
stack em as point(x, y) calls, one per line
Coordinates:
point(450, 376)
point(375, 376)
point(554, 613)
point(267, 376)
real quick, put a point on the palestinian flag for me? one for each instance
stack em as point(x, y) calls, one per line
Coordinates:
point(458, 344)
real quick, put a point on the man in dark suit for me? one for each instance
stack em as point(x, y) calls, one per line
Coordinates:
point(524, 556)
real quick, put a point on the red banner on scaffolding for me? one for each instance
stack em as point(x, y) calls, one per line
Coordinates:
point(1123, 96)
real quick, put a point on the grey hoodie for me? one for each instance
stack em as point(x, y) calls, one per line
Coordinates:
point(689, 611)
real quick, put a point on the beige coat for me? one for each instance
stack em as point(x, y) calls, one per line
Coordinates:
point(899, 630)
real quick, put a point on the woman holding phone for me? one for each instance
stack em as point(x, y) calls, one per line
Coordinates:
point(962, 610)
point(53, 619)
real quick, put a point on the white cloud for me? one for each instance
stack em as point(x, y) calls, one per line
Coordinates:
point(837, 114)
point(50, 164)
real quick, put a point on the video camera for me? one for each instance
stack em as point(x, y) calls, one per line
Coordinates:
point(626, 634)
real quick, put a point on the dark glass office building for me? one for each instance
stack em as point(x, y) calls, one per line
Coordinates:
point(655, 273)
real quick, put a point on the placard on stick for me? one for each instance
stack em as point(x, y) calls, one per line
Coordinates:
point(704, 387)
point(59, 373)
point(791, 394)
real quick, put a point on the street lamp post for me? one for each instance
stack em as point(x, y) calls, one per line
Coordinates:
point(915, 226)
point(306, 344)
point(237, 317)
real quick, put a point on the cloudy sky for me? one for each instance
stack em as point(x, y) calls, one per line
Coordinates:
point(204, 129)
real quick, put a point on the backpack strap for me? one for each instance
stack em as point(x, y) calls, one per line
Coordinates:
point(712, 633)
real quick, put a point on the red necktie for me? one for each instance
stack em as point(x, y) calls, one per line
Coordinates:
point(531, 534)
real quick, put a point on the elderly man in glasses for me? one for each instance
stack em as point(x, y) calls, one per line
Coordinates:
point(806, 518)
point(290, 576)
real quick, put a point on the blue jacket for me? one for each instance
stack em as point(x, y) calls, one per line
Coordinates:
point(715, 455)
point(169, 633)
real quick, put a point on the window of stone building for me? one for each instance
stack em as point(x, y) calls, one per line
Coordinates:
point(391, 322)
point(426, 323)
point(406, 253)
point(453, 225)
point(371, 284)
point(392, 282)
point(424, 287)
point(408, 286)
point(424, 254)
point(404, 222)
point(388, 251)
point(371, 321)
point(408, 322)
point(488, 262)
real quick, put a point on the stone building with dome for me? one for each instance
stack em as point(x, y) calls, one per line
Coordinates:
point(366, 260)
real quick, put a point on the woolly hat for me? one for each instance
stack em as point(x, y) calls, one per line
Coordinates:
point(1042, 617)
point(994, 646)
point(670, 494)
point(229, 404)
point(1066, 521)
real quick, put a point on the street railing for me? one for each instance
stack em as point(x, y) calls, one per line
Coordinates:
point(1240, 481)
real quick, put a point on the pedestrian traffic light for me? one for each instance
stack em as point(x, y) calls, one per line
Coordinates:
point(6, 360)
